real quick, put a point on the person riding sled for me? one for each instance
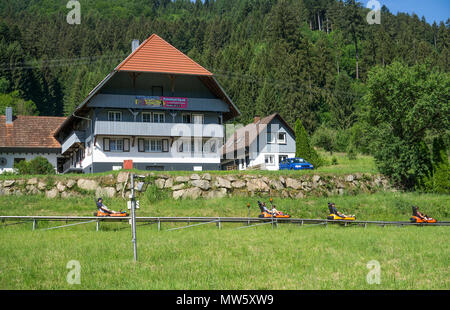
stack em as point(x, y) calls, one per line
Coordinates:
point(102, 208)
point(418, 216)
point(333, 210)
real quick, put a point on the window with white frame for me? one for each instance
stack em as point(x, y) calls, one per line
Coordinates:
point(209, 146)
point(114, 116)
point(270, 137)
point(187, 119)
point(158, 117)
point(153, 145)
point(116, 145)
point(197, 118)
point(282, 158)
point(281, 138)
point(183, 146)
point(269, 160)
point(147, 117)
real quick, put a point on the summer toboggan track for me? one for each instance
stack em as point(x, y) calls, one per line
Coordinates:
point(252, 221)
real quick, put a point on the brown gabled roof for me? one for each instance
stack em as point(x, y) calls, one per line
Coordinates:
point(244, 137)
point(157, 55)
point(30, 132)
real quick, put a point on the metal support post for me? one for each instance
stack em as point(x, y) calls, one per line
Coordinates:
point(133, 218)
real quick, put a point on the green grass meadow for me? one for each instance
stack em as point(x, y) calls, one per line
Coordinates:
point(204, 257)
point(290, 257)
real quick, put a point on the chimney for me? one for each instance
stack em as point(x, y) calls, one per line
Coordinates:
point(134, 45)
point(256, 119)
point(9, 115)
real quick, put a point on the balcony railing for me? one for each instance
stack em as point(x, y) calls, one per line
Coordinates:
point(75, 137)
point(158, 129)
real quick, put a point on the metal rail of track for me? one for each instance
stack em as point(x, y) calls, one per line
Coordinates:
point(248, 220)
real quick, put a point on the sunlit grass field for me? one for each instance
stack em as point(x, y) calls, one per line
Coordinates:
point(290, 257)
point(204, 257)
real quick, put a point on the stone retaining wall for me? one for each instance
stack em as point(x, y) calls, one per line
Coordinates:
point(202, 185)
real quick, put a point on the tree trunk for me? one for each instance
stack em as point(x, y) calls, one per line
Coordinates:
point(318, 20)
point(357, 58)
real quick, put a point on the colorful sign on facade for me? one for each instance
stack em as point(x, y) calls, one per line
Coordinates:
point(162, 102)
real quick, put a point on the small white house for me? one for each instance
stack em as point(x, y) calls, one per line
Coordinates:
point(262, 144)
point(26, 137)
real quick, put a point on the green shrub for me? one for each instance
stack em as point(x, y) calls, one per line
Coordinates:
point(351, 153)
point(438, 181)
point(324, 137)
point(334, 161)
point(38, 165)
point(303, 147)
point(153, 193)
point(342, 140)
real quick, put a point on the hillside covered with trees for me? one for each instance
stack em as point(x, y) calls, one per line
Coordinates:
point(314, 60)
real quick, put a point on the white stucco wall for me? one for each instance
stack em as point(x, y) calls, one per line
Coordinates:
point(260, 160)
point(51, 157)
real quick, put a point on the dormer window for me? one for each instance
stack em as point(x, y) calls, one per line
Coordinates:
point(281, 138)
point(114, 116)
point(270, 137)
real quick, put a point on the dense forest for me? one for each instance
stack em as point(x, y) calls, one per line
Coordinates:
point(306, 59)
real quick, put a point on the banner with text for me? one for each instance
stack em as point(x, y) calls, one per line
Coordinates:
point(162, 102)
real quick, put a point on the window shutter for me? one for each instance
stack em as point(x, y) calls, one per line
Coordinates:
point(106, 145)
point(126, 145)
point(165, 145)
point(141, 145)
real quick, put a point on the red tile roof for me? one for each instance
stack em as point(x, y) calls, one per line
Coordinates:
point(156, 55)
point(30, 131)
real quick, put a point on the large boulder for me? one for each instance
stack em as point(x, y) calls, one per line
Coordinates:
point(206, 176)
point(221, 182)
point(60, 187)
point(181, 179)
point(108, 192)
point(203, 184)
point(349, 178)
point(178, 187)
point(192, 193)
point(88, 185)
point(41, 185)
point(238, 184)
point(293, 183)
point(177, 194)
point(32, 181)
point(108, 180)
point(168, 183)
point(160, 183)
point(53, 193)
point(70, 183)
point(276, 184)
point(195, 176)
point(122, 177)
point(8, 183)
point(257, 185)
